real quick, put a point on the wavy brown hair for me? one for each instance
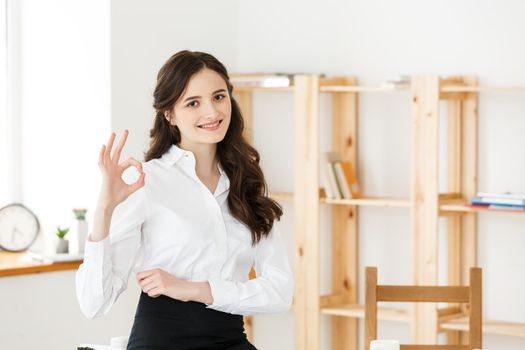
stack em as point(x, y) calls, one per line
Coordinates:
point(248, 199)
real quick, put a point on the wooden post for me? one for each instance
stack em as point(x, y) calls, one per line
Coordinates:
point(370, 305)
point(306, 211)
point(425, 201)
point(475, 308)
point(454, 181)
point(469, 221)
point(344, 218)
point(245, 104)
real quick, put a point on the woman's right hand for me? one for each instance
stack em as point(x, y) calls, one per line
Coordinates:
point(114, 190)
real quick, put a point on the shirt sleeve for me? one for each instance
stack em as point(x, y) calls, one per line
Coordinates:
point(270, 292)
point(107, 264)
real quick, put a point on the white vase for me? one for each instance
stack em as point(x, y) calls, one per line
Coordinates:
point(77, 236)
point(61, 245)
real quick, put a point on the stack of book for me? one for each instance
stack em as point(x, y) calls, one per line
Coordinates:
point(507, 200)
point(338, 177)
point(398, 82)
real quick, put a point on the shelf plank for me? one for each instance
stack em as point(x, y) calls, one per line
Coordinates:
point(238, 88)
point(489, 326)
point(370, 201)
point(18, 263)
point(459, 206)
point(281, 195)
point(358, 311)
point(367, 201)
point(459, 88)
point(356, 88)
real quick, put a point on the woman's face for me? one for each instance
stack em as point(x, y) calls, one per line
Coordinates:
point(203, 112)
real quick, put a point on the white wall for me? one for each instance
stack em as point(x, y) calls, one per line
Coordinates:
point(63, 85)
point(144, 34)
point(374, 40)
point(64, 92)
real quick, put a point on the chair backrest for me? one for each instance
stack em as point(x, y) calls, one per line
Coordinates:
point(453, 294)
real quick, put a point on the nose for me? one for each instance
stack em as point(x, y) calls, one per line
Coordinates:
point(210, 110)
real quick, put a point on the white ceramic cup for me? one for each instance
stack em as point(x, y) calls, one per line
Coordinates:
point(384, 344)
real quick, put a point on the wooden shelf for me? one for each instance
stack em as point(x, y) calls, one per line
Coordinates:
point(370, 201)
point(261, 88)
point(459, 88)
point(459, 206)
point(17, 263)
point(358, 311)
point(281, 195)
point(489, 326)
point(356, 88)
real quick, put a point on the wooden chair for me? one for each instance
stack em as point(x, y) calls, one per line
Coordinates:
point(453, 294)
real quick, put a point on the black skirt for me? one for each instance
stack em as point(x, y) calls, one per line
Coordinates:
point(164, 323)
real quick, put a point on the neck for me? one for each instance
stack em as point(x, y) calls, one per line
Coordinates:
point(205, 157)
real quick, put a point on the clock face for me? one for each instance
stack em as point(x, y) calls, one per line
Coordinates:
point(19, 227)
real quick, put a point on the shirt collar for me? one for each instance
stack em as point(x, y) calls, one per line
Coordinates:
point(176, 154)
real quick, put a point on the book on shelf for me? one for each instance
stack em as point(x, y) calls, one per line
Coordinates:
point(497, 200)
point(397, 82)
point(497, 206)
point(488, 198)
point(277, 79)
point(328, 178)
point(339, 177)
point(261, 80)
point(507, 195)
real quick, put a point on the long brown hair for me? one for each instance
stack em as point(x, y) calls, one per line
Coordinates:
point(248, 199)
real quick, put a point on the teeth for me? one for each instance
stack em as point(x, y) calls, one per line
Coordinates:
point(209, 125)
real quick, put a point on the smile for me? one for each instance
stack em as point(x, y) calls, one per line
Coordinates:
point(211, 126)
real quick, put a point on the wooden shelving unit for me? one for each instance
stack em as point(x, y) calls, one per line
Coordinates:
point(426, 205)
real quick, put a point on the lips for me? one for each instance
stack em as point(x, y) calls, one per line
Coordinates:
point(210, 124)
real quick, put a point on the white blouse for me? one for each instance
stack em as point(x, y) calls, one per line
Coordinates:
point(176, 224)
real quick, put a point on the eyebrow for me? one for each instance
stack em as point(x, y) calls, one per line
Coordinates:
point(194, 97)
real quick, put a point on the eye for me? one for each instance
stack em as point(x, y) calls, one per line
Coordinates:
point(219, 97)
point(192, 104)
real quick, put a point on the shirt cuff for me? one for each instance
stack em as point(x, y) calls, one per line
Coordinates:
point(224, 294)
point(94, 251)
point(97, 258)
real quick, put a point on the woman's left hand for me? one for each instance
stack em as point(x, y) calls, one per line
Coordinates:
point(156, 282)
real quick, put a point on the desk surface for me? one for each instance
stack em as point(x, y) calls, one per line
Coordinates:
point(12, 264)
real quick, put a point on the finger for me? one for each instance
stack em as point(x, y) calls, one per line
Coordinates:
point(101, 155)
point(147, 280)
point(143, 274)
point(108, 149)
point(131, 162)
point(153, 292)
point(138, 184)
point(148, 287)
point(118, 150)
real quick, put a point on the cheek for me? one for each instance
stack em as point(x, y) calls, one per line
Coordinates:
point(226, 110)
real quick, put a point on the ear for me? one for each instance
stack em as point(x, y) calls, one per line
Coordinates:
point(168, 116)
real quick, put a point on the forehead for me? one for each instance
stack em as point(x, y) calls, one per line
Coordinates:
point(206, 81)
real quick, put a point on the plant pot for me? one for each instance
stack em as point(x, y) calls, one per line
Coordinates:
point(61, 246)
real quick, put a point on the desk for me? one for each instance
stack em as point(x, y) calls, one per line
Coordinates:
point(18, 263)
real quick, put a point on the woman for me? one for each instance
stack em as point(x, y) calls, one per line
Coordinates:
point(192, 225)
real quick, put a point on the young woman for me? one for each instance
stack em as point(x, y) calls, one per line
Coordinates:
point(192, 225)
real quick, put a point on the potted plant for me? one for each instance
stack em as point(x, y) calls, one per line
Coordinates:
point(61, 244)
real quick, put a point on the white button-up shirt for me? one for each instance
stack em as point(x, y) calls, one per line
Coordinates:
point(176, 224)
